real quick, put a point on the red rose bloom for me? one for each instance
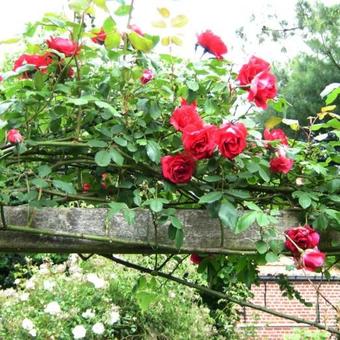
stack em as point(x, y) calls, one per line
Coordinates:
point(303, 236)
point(14, 136)
point(276, 134)
point(312, 259)
point(195, 258)
point(249, 71)
point(178, 168)
point(39, 61)
point(200, 143)
point(86, 187)
point(136, 29)
point(262, 88)
point(186, 115)
point(231, 139)
point(146, 77)
point(63, 45)
point(212, 44)
point(281, 164)
point(99, 37)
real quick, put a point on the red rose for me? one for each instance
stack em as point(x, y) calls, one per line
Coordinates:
point(212, 44)
point(14, 136)
point(39, 61)
point(303, 236)
point(136, 29)
point(146, 77)
point(262, 88)
point(195, 258)
point(281, 164)
point(231, 139)
point(178, 168)
point(1, 78)
point(186, 115)
point(276, 134)
point(86, 187)
point(312, 259)
point(63, 45)
point(99, 37)
point(200, 143)
point(249, 71)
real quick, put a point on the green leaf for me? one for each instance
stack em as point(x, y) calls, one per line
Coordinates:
point(140, 43)
point(146, 298)
point(238, 193)
point(44, 170)
point(271, 257)
point(112, 40)
point(179, 238)
point(40, 183)
point(264, 174)
point(261, 247)
point(109, 25)
point(211, 197)
point(129, 216)
point(179, 21)
point(79, 5)
point(252, 206)
point(117, 157)
point(120, 141)
point(192, 85)
point(228, 214)
point(103, 158)
point(123, 10)
point(101, 4)
point(164, 12)
point(156, 205)
point(64, 186)
point(305, 201)
point(116, 207)
point(153, 151)
point(96, 143)
point(176, 222)
point(262, 219)
point(78, 101)
point(245, 221)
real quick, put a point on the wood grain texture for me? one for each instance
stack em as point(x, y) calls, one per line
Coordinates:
point(89, 231)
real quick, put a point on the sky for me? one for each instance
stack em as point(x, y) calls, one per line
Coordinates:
point(223, 17)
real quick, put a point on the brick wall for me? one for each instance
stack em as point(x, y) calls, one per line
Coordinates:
point(268, 294)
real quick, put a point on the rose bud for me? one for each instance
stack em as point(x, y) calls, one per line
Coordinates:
point(275, 134)
point(136, 29)
point(178, 168)
point(14, 136)
point(186, 115)
point(86, 187)
point(63, 45)
point(99, 37)
point(281, 164)
point(195, 258)
point(231, 139)
point(303, 236)
point(146, 77)
point(212, 44)
point(312, 259)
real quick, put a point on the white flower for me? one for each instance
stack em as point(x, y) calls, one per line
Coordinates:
point(52, 308)
point(49, 285)
point(33, 332)
point(44, 268)
point(24, 296)
point(9, 292)
point(60, 268)
point(27, 324)
point(79, 332)
point(98, 328)
point(96, 281)
point(172, 295)
point(30, 284)
point(88, 314)
point(17, 281)
point(113, 317)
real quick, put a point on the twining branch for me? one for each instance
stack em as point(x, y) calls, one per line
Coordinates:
point(220, 295)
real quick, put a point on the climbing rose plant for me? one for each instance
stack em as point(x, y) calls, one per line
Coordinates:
point(94, 114)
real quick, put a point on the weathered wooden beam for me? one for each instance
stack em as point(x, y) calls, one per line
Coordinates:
point(89, 231)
